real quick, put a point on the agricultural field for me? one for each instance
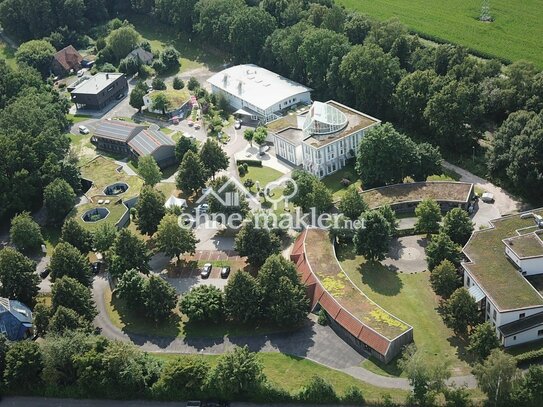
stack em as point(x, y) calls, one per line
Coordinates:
point(514, 34)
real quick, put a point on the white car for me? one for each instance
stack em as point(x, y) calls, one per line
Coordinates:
point(487, 197)
point(237, 124)
point(202, 208)
point(83, 130)
point(80, 73)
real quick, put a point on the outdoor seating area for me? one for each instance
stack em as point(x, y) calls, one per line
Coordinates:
point(95, 214)
point(116, 189)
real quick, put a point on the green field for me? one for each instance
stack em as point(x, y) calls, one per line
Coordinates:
point(514, 34)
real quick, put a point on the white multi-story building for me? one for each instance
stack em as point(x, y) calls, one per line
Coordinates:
point(504, 275)
point(321, 138)
point(258, 93)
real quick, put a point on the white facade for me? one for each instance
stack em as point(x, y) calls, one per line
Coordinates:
point(288, 151)
point(529, 335)
point(262, 94)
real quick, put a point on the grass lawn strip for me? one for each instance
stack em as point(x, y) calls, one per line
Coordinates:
point(323, 262)
point(492, 269)
point(417, 191)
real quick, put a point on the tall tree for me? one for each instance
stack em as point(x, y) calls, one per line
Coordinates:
point(460, 311)
point(122, 41)
point(529, 392)
point(458, 226)
point(445, 279)
point(70, 293)
point(131, 288)
point(310, 193)
point(66, 320)
point(203, 303)
point(160, 298)
point(59, 199)
point(104, 237)
point(128, 252)
point(186, 373)
point(150, 208)
point(440, 248)
point(72, 232)
point(25, 233)
point(68, 261)
point(149, 170)
point(18, 278)
point(242, 298)
point(24, 365)
point(137, 94)
point(183, 146)
point(482, 340)
point(249, 28)
point(174, 240)
point(213, 157)
point(192, 174)
point(37, 54)
point(160, 102)
point(256, 242)
point(428, 215)
point(373, 240)
point(497, 376)
point(352, 204)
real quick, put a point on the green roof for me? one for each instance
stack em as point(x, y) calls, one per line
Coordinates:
point(494, 272)
point(324, 264)
point(526, 245)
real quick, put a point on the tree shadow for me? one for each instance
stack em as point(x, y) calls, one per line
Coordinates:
point(345, 251)
point(394, 251)
point(461, 343)
point(380, 278)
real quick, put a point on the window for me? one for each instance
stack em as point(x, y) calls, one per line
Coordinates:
point(487, 307)
point(468, 281)
point(540, 332)
point(521, 315)
point(515, 338)
point(494, 315)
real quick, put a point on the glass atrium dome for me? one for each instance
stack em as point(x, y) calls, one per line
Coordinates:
point(324, 119)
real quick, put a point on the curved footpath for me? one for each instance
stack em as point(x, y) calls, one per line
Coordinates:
point(314, 342)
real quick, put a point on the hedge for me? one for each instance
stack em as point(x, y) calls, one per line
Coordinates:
point(529, 356)
point(252, 163)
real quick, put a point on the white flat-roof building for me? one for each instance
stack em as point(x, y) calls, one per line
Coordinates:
point(321, 138)
point(256, 92)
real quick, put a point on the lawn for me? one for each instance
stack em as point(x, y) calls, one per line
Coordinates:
point(177, 325)
point(161, 35)
point(264, 175)
point(115, 207)
point(410, 298)
point(514, 34)
point(291, 373)
point(333, 181)
point(77, 118)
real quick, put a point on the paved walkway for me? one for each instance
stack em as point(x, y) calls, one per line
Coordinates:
point(312, 341)
point(406, 254)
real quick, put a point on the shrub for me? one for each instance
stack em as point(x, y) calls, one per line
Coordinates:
point(354, 396)
point(318, 391)
point(158, 84)
point(530, 356)
point(178, 83)
point(251, 163)
point(193, 83)
point(241, 170)
point(323, 317)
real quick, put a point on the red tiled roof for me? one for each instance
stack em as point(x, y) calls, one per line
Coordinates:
point(330, 305)
point(68, 58)
point(350, 323)
point(371, 338)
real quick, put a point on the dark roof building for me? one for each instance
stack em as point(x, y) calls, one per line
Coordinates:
point(65, 60)
point(145, 57)
point(15, 320)
point(137, 140)
point(96, 92)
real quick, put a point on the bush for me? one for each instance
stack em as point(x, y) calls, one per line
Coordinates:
point(158, 84)
point(241, 170)
point(323, 317)
point(318, 391)
point(354, 396)
point(251, 163)
point(530, 356)
point(193, 83)
point(178, 83)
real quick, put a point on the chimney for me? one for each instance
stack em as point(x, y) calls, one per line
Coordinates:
point(107, 76)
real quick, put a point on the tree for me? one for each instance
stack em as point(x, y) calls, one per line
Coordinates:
point(213, 19)
point(150, 208)
point(373, 240)
point(70, 293)
point(4, 347)
point(130, 65)
point(427, 380)
point(24, 365)
point(128, 252)
point(249, 28)
point(40, 318)
point(284, 299)
point(170, 58)
point(370, 76)
point(248, 135)
point(460, 311)
point(318, 391)
point(66, 320)
point(228, 200)
point(385, 156)
point(440, 248)
point(184, 145)
point(182, 375)
point(193, 83)
point(242, 298)
point(137, 94)
point(203, 303)
point(122, 41)
point(497, 376)
point(104, 237)
point(445, 279)
point(237, 372)
point(172, 239)
point(75, 234)
point(353, 396)
point(160, 298)
point(389, 214)
point(352, 204)
point(68, 261)
point(130, 288)
point(213, 157)
point(149, 170)
point(18, 279)
point(59, 199)
point(256, 242)
point(192, 174)
point(158, 84)
point(428, 215)
point(311, 192)
point(178, 83)
point(457, 225)
point(482, 340)
point(24, 233)
point(259, 136)
point(529, 391)
point(36, 54)
point(160, 102)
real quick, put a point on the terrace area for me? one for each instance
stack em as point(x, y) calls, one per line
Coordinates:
point(414, 192)
point(492, 269)
point(322, 259)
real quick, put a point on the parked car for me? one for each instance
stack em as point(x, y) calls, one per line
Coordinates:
point(206, 270)
point(225, 272)
point(96, 267)
point(80, 73)
point(202, 208)
point(237, 124)
point(487, 197)
point(83, 129)
point(44, 273)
